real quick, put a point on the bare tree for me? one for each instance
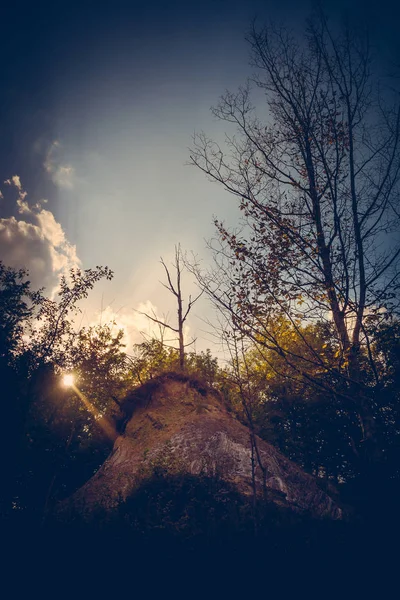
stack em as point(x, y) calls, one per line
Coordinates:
point(318, 185)
point(241, 378)
point(182, 313)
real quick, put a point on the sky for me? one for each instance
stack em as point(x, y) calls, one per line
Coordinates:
point(99, 103)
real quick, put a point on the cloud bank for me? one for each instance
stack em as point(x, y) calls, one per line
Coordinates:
point(31, 237)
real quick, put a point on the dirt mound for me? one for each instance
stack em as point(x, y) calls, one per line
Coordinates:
point(174, 427)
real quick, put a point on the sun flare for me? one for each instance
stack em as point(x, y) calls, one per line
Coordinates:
point(68, 380)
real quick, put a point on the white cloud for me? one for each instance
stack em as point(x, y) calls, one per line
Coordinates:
point(62, 175)
point(130, 321)
point(15, 181)
point(35, 240)
point(135, 325)
point(51, 229)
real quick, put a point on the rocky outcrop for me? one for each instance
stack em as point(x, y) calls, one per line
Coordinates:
point(174, 424)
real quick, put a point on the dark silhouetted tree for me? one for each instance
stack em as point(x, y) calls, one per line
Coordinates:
point(317, 180)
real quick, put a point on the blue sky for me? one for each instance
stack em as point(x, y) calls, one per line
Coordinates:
point(99, 104)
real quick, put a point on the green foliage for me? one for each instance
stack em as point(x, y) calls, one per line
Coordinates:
point(315, 425)
point(17, 305)
point(152, 358)
point(203, 366)
point(37, 340)
point(52, 332)
point(99, 364)
point(58, 420)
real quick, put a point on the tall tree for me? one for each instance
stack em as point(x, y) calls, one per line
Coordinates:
point(317, 184)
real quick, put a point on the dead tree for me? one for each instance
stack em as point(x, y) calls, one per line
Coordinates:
point(182, 313)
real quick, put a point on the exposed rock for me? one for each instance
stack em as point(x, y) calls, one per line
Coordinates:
point(174, 424)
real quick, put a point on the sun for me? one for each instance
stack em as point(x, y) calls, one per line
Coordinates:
point(68, 380)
